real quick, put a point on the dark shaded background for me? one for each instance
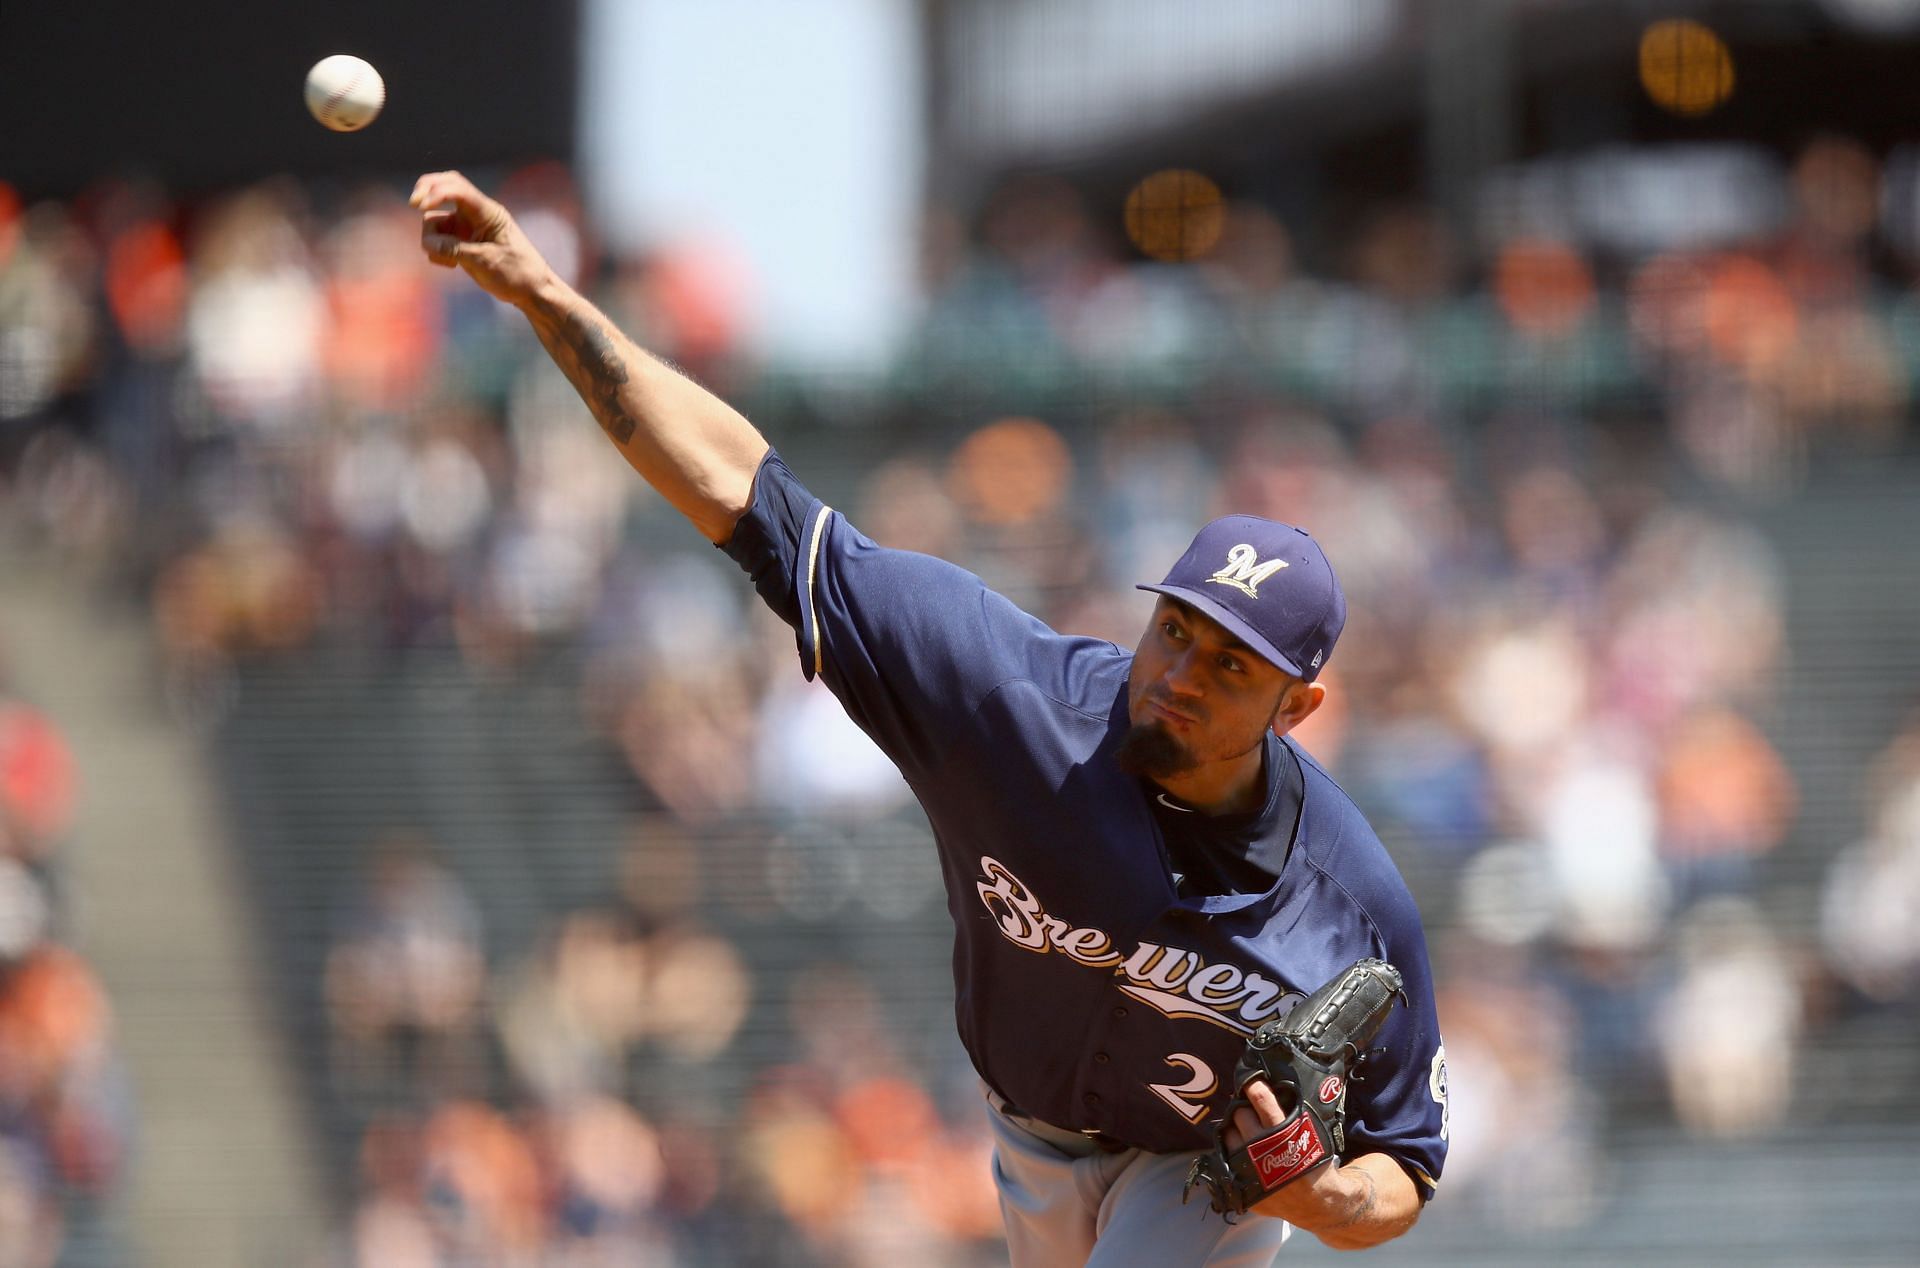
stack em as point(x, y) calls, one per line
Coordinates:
point(106, 87)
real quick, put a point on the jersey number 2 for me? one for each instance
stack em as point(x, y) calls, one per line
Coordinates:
point(1202, 1085)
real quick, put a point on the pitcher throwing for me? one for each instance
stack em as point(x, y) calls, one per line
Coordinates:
point(1141, 867)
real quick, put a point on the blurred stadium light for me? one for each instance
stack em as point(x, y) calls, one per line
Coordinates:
point(1684, 66)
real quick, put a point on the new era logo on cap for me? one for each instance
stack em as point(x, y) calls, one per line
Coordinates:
point(1267, 582)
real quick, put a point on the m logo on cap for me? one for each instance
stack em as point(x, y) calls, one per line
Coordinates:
point(1244, 571)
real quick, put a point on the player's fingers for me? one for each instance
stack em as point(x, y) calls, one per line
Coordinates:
point(442, 235)
point(445, 222)
point(1241, 1127)
point(1265, 1103)
point(428, 190)
point(442, 248)
point(439, 188)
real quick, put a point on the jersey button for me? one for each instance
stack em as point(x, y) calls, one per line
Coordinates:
point(1101, 1058)
point(1119, 1012)
point(1092, 1099)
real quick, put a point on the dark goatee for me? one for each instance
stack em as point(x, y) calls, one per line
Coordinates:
point(1151, 752)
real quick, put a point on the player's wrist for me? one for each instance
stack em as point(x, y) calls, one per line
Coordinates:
point(1323, 1200)
point(544, 292)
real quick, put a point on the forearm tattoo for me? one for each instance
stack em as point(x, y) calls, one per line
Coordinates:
point(1363, 1208)
point(593, 361)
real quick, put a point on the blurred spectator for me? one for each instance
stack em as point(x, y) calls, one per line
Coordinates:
point(247, 590)
point(37, 782)
point(1725, 798)
point(381, 340)
point(483, 1185)
point(570, 1019)
point(1521, 1127)
point(391, 1227)
point(610, 1177)
point(256, 318)
point(404, 979)
point(612, 979)
point(812, 759)
point(64, 1121)
point(1729, 1027)
point(1597, 821)
point(47, 335)
point(1870, 913)
point(65, 1115)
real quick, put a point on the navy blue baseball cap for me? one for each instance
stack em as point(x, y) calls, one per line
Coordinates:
point(1267, 582)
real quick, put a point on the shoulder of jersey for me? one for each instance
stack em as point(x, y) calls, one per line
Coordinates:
point(1340, 842)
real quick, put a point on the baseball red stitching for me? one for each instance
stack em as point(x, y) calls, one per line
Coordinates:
point(344, 91)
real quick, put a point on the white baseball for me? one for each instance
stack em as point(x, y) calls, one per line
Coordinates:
point(345, 92)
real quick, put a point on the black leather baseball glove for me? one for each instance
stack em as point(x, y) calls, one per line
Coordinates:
point(1307, 1057)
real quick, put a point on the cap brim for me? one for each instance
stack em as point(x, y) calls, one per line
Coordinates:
point(1229, 621)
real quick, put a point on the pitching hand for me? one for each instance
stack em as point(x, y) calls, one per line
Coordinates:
point(462, 227)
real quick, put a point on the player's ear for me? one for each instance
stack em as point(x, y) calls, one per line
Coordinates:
point(1297, 704)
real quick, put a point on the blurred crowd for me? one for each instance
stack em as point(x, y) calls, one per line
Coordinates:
point(1533, 459)
point(626, 1092)
point(65, 1112)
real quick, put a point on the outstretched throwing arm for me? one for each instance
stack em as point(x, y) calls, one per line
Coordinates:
point(686, 442)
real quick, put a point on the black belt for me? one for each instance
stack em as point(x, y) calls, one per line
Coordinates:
point(1098, 1139)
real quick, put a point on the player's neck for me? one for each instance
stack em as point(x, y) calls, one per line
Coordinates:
point(1235, 786)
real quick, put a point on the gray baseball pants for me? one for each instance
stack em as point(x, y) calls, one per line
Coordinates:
point(1066, 1202)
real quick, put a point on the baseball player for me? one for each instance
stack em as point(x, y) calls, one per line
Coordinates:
point(1142, 871)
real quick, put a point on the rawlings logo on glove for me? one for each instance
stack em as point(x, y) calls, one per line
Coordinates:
point(1286, 1153)
point(1307, 1057)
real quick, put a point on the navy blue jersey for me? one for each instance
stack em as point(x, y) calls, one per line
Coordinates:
point(1092, 990)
